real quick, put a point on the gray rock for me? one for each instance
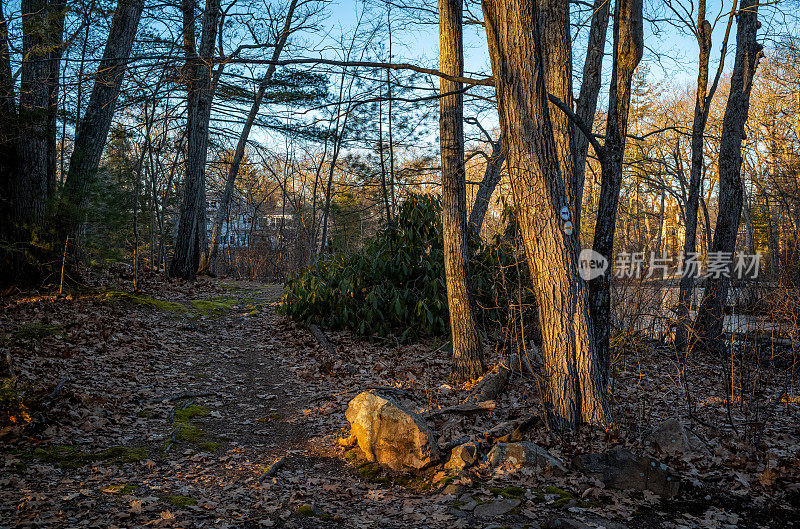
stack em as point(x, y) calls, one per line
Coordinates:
point(524, 454)
point(673, 439)
point(495, 508)
point(621, 469)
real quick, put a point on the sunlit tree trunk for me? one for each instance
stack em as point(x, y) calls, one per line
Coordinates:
point(628, 49)
point(574, 391)
point(467, 354)
point(708, 325)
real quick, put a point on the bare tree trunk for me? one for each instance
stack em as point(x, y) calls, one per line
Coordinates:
point(90, 137)
point(42, 23)
point(491, 177)
point(586, 105)
point(192, 223)
point(708, 324)
point(628, 49)
point(468, 359)
point(701, 110)
point(209, 260)
point(557, 67)
point(574, 390)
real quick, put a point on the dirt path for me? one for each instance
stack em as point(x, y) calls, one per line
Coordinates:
point(170, 416)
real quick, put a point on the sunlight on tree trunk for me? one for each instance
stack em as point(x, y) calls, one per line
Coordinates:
point(574, 391)
point(467, 354)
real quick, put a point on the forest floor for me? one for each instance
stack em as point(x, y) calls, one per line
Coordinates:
point(167, 409)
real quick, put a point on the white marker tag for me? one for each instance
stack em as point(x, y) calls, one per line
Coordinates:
point(568, 228)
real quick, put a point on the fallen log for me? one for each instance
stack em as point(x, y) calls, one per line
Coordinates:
point(321, 339)
point(465, 408)
point(491, 385)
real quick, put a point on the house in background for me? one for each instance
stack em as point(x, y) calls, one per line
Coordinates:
point(248, 225)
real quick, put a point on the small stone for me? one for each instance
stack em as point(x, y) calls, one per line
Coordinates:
point(462, 456)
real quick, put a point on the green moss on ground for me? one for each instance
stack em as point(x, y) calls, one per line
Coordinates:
point(35, 331)
point(181, 501)
point(142, 299)
point(70, 457)
point(189, 433)
point(184, 415)
point(508, 492)
point(123, 490)
point(210, 446)
point(310, 512)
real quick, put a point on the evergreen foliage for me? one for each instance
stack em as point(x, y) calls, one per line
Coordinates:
point(396, 283)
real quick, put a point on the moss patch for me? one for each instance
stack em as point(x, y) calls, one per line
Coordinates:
point(310, 512)
point(70, 457)
point(508, 492)
point(35, 331)
point(213, 307)
point(184, 415)
point(189, 433)
point(181, 501)
point(209, 446)
point(141, 299)
point(122, 490)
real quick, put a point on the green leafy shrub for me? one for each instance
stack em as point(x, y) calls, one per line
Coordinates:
point(396, 282)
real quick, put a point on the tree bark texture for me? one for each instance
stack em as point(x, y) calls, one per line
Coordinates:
point(468, 360)
point(557, 66)
point(8, 124)
point(574, 391)
point(43, 24)
point(241, 145)
point(192, 219)
point(92, 132)
point(708, 324)
point(628, 49)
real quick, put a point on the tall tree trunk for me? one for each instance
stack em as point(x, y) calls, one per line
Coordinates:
point(90, 137)
point(586, 105)
point(628, 49)
point(8, 145)
point(468, 359)
point(708, 324)
point(491, 177)
point(557, 67)
point(574, 391)
point(225, 201)
point(192, 221)
point(702, 107)
point(42, 23)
